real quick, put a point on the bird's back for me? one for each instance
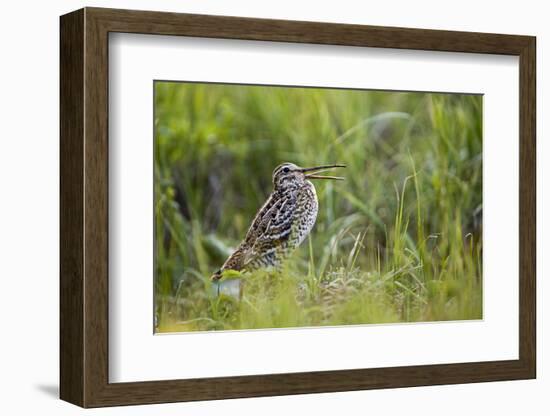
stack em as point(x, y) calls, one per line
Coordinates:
point(279, 227)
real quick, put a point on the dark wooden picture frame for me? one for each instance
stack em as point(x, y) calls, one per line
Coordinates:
point(84, 207)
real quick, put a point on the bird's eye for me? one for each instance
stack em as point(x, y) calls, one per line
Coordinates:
point(286, 170)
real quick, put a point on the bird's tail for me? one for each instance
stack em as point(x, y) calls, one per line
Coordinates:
point(233, 262)
point(217, 275)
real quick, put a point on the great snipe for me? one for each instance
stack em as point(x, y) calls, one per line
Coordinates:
point(283, 222)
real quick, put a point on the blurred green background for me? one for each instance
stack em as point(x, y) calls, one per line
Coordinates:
point(398, 241)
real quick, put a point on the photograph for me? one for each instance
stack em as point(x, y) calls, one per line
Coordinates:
point(285, 205)
point(303, 207)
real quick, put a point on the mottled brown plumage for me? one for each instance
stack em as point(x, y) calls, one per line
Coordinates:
point(282, 223)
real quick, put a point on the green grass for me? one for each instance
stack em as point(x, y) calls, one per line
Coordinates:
point(398, 241)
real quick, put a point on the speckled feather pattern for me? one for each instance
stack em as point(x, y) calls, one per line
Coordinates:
point(279, 227)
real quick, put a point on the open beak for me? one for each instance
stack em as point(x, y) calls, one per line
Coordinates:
point(318, 169)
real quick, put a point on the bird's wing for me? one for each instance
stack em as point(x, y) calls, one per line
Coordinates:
point(259, 220)
point(274, 228)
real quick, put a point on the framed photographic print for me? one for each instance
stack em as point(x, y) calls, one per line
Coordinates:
point(255, 207)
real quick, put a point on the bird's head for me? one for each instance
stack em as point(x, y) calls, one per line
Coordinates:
point(288, 174)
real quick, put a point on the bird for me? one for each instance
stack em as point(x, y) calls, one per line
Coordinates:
point(282, 223)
